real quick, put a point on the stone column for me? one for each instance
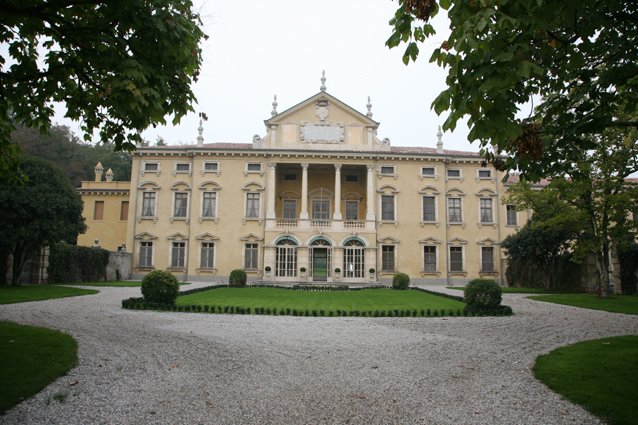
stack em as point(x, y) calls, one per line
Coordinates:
point(272, 175)
point(304, 192)
point(370, 202)
point(337, 213)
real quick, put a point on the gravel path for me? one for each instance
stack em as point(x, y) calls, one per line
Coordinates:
point(168, 368)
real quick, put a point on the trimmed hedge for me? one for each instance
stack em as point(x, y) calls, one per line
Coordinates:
point(483, 297)
point(72, 263)
point(400, 281)
point(237, 278)
point(160, 287)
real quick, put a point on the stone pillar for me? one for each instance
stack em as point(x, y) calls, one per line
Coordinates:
point(337, 213)
point(272, 175)
point(370, 202)
point(304, 192)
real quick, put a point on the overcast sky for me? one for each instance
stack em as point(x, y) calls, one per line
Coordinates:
point(261, 48)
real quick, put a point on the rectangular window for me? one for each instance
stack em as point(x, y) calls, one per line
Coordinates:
point(487, 259)
point(124, 211)
point(290, 208)
point(511, 215)
point(98, 210)
point(429, 258)
point(181, 202)
point(251, 251)
point(146, 254)
point(148, 204)
point(209, 204)
point(387, 170)
point(387, 258)
point(454, 210)
point(290, 177)
point(352, 178)
point(211, 166)
point(427, 171)
point(387, 207)
point(207, 260)
point(485, 174)
point(178, 254)
point(320, 210)
point(456, 259)
point(151, 166)
point(429, 211)
point(486, 210)
point(352, 210)
point(182, 167)
point(252, 205)
point(254, 167)
point(454, 173)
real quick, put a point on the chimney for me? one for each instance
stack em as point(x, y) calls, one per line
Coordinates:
point(98, 172)
point(109, 175)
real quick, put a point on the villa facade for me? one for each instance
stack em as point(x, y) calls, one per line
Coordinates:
point(318, 198)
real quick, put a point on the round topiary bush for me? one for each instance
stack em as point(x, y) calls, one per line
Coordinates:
point(160, 287)
point(237, 278)
point(400, 281)
point(483, 295)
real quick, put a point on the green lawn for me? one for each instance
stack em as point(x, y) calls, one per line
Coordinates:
point(30, 359)
point(115, 283)
point(363, 300)
point(24, 293)
point(627, 304)
point(600, 375)
point(510, 290)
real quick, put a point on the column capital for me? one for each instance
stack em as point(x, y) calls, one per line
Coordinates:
point(371, 168)
point(272, 165)
point(338, 167)
point(304, 165)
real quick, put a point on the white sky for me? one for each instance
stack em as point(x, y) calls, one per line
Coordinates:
point(260, 48)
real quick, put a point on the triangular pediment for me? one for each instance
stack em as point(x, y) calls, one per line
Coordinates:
point(145, 236)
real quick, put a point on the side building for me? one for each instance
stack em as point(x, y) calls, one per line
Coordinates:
point(318, 198)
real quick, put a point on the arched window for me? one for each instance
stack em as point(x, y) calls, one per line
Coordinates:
point(286, 258)
point(353, 258)
point(320, 258)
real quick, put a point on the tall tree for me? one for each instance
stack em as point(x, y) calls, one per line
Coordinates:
point(119, 66)
point(42, 210)
point(578, 56)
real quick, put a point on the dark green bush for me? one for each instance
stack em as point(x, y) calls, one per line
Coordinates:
point(237, 278)
point(71, 263)
point(160, 287)
point(483, 294)
point(400, 281)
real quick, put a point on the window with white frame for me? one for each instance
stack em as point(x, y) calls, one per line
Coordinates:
point(387, 170)
point(428, 171)
point(181, 204)
point(251, 259)
point(387, 208)
point(178, 254)
point(511, 215)
point(486, 213)
point(352, 210)
point(454, 212)
point(252, 205)
point(320, 209)
point(182, 167)
point(286, 258)
point(387, 258)
point(151, 166)
point(429, 208)
point(429, 258)
point(487, 259)
point(456, 258)
point(207, 255)
point(148, 204)
point(353, 259)
point(209, 204)
point(253, 167)
point(211, 167)
point(290, 208)
point(484, 173)
point(146, 254)
point(454, 173)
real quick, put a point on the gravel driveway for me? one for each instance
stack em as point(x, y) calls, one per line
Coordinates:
point(140, 367)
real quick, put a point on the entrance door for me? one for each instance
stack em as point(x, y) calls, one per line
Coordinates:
point(320, 264)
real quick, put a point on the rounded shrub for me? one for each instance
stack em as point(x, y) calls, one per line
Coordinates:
point(237, 278)
point(400, 281)
point(160, 287)
point(482, 295)
point(268, 268)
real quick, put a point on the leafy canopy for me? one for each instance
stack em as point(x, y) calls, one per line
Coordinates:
point(578, 56)
point(119, 66)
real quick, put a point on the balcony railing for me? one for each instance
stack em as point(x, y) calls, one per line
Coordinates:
point(316, 222)
point(287, 222)
point(354, 224)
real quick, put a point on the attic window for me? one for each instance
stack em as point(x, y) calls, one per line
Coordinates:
point(290, 177)
point(351, 178)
